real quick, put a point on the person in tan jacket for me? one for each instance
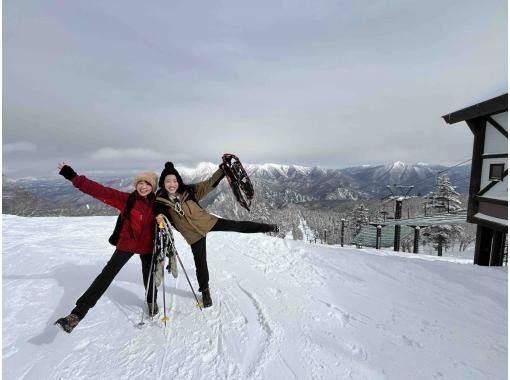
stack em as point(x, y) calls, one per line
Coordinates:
point(179, 203)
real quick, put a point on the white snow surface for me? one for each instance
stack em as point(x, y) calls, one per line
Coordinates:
point(283, 309)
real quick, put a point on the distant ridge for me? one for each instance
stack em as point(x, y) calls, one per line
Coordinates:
point(276, 185)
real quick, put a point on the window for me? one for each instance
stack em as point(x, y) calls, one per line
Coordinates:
point(496, 172)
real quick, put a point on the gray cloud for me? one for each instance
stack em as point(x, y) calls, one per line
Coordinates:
point(19, 147)
point(320, 83)
point(107, 154)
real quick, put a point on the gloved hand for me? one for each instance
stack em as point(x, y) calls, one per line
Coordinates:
point(67, 172)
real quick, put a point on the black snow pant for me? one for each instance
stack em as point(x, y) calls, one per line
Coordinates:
point(199, 248)
point(105, 278)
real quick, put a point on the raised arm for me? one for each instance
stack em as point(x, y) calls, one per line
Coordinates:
point(205, 187)
point(107, 195)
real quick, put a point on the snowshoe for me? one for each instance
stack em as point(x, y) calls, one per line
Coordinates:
point(68, 323)
point(238, 180)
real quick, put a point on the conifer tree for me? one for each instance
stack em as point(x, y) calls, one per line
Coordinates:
point(441, 201)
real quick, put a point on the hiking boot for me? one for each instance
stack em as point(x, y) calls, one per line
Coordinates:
point(206, 298)
point(153, 308)
point(68, 323)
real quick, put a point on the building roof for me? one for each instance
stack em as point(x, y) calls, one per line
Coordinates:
point(454, 217)
point(488, 107)
point(492, 219)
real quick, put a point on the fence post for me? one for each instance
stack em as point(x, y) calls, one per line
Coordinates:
point(416, 239)
point(398, 215)
point(342, 233)
point(378, 238)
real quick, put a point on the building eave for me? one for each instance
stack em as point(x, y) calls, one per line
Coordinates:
point(488, 107)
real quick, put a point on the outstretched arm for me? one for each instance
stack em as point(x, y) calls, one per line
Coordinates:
point(107, 195)
point(205, 187)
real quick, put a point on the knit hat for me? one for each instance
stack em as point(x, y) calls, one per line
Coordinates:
point(168, 170)
point(149, 177)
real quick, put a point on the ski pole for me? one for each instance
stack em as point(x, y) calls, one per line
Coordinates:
point(162, 231)
point(165, 318)
point(169, 232)
point(189, 282)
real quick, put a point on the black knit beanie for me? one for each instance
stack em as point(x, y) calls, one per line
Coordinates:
point(168, 170)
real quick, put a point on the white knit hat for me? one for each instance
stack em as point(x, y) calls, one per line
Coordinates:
point(149, 177)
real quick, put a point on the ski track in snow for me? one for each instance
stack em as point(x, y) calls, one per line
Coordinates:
point(282, 309)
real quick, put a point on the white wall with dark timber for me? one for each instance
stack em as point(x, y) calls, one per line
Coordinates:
point(501, 188)
point(495, 142)
point(501, 119)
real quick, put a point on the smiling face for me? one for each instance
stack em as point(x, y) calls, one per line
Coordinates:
point(171, 184)
point(143, 188)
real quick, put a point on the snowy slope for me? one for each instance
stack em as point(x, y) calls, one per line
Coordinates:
point(282, 309)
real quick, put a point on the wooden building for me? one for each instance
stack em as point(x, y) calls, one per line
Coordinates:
point(488, 190)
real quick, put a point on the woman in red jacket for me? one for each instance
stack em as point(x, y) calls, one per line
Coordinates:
point(136, 237)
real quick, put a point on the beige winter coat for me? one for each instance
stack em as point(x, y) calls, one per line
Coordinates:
point(194, 222)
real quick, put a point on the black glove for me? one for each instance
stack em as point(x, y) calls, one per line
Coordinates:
point(67, 172)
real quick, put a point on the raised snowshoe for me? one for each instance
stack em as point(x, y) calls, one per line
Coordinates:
point(238, 179)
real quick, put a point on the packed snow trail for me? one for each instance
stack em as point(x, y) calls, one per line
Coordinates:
point(282, 309)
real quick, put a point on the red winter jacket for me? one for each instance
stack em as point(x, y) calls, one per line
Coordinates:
point(142, 217)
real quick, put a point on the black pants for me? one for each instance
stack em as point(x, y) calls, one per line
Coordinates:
point(199, 248)
point(105, 278)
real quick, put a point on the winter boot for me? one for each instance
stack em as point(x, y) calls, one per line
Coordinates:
point(68, 323)
point(153, 309)
point(206, 298)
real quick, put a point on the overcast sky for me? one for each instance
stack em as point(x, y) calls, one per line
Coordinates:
point(131, 84)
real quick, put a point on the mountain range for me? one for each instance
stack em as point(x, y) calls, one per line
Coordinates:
point(276, 186)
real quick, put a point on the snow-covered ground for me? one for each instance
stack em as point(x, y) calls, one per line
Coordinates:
point(283, 309)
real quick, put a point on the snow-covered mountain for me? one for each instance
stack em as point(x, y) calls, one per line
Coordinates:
point(283, 309)
point(375, 178)
point(275, 185)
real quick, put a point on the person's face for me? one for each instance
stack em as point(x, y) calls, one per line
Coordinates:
point(143, 188)
point(171, 184)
